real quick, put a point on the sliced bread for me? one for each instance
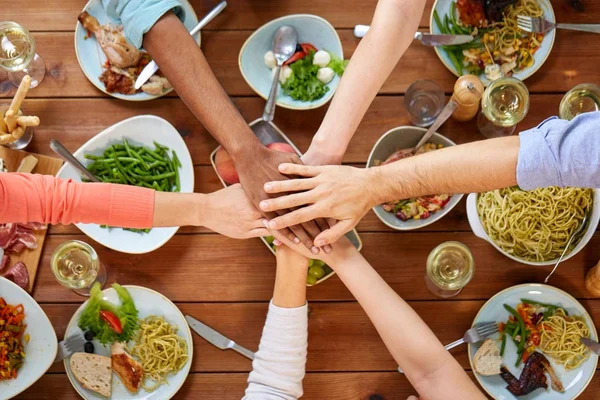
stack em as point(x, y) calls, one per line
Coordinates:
point(94, 372)
point(487, 360)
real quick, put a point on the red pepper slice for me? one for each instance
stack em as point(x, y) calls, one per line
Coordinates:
point(299, 55)
point(307, 47)
point(112, 320)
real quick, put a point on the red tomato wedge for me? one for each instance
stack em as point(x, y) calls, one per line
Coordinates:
point(307, 47)
point(112, 320)
point(299, 55)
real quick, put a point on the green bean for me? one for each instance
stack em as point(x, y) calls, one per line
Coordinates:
point(521, 328)
point(503, 345)
point(154, 177)
point(176, 159)
point(455, 62)
point(438, 22)
point(537, 303)
point(156, 164)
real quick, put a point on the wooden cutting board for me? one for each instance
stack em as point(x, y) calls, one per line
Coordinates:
point(45, 166)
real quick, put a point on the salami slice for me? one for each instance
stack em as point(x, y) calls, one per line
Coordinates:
point(16, 247)
point(4, 262)
point(18, 274)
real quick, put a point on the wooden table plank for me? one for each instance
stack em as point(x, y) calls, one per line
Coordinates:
point(568, 64)
point(61, 15)
point(227, 270)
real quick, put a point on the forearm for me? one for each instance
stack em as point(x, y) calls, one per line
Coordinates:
point(290, 285)
point(391, 32)
point(183, 63)
point(180, 209)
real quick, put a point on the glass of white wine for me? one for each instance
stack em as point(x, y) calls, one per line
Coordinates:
point(504, 104)
point(17, 54)
point(76, 266)
point(581, 99)
point(450, 267)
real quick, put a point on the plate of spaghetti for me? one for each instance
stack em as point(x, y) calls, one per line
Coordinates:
point(500, 48)
point(536, 322)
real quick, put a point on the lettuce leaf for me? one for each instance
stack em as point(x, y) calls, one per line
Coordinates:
point(303, 84)
point(338, 66)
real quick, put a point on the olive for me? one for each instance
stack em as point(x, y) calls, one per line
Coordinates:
point(270, 239)
point(319, 263)
point(316, 271)
point(310, 279)
point(89, 347)
point(298, 47)
point(89, 335)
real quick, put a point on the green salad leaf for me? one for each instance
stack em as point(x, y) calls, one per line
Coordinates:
point(337, 65)
point(303, 84)
point(127, 313)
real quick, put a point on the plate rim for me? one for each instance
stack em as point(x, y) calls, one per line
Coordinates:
point(187, 330)
point(120, 96)
point(531, 70)
point(534, 285)
point(55, 342)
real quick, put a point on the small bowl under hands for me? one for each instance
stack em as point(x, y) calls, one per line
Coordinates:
point(407, 137)
point(311, 29)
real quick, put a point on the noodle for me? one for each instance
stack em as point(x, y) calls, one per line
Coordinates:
point(507, 32)
point(534, 225)
point(560, 339)
point(160, 350)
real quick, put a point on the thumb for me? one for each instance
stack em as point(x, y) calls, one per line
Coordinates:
point(331, 235)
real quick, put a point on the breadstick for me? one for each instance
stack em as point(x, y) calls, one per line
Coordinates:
point(6, 138)
point(15, 106)
point(28, 121)
point(18, 132)
point(11, 120)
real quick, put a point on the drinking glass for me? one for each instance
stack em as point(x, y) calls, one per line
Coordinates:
point(424, 100)
point(581, 99)
point(24, 140)
point(450, 267)
point(504, 104)
point(76, 266)
point(17, 54)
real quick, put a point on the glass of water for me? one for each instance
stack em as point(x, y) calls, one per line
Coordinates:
point(18, 56)
point(424, 100)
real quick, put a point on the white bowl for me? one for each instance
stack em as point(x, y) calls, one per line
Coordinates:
point(478, 230)
point(42, 347)
point(141, 130)
point(405, 137)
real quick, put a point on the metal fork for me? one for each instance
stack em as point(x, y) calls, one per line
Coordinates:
point(72, 344)
point(476, 334)
point(541, 25)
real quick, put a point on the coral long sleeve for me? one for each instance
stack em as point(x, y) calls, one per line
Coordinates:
point(39, 198)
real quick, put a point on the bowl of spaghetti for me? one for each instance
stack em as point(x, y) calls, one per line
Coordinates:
point(534, 227)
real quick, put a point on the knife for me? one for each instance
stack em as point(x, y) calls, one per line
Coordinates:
point(592, 345)
point(215, 338)
point(151, 68)
point(428, 39)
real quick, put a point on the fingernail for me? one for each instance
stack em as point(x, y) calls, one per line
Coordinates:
point(282, 167)
point(272, 225)
point(276, 242)
point(268, 186)
point(265, 223)
point(296, 240)
point(314, 250)
point(263, 205)
point(328, 249)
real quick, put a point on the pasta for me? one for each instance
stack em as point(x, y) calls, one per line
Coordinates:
point(160, 350)
point(560, 339)
point(534, 225)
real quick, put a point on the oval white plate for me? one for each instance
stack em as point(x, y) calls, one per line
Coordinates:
point(148, 302)
point(574, 381)
point(91, 58)
point(42, 347)
point(540, 56)
point(141, 130)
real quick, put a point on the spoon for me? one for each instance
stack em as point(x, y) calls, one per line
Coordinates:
point(284, 46)
point(573, 236)
point(66, 155)
point(441, 118)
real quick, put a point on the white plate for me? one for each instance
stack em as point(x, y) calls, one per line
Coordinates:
point(540, 56)
point(141, 130)
point(41, 349)
point(91, 58)
point(574, 381)
point(148, 302)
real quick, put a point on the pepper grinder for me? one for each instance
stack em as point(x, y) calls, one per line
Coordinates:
point(468, 91)
point(592, 281)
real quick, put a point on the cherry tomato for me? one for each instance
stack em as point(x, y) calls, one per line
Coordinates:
point(307, 47)
point(112, 320)
point(297, 56)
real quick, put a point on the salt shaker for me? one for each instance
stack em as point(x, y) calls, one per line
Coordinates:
point(468, 91)
point(592, 281)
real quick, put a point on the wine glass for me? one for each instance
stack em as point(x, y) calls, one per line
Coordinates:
point(76, 266)
point(17, 54)
point(504, 104)
point(581, 99)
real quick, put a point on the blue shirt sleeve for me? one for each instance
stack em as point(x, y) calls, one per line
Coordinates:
point(138, 16)
point(561, 153)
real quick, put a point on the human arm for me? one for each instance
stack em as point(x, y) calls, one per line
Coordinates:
point(392, 30)
point(279, 364)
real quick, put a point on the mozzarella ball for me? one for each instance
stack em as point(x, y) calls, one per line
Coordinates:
point(286, 72)
point(325, 75)
point(270, 60)
point(322, 58)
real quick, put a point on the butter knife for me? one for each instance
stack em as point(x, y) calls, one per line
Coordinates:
point(216, 339)
point(151, 68)
point(428, 39)
point(592, 345)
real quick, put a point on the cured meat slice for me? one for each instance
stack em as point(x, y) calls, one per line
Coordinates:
point(7, 234)
point(16, 247)
point(4, 262)
point(34, 226)
point(19, 274)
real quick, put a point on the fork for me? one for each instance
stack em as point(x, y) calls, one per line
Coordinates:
point(541, 25)
point(70, 345)
point(476, 334)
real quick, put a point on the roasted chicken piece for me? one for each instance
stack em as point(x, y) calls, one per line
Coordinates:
point(119, 51)
point(156, 86)
point(127, 369)
point(533, 376)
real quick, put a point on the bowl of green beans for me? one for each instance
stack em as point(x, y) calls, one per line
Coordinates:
point(144, 151)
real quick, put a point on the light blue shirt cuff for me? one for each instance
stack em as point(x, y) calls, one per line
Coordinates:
point(138, 16)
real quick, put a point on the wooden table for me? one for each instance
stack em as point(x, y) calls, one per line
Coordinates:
point(227, 283)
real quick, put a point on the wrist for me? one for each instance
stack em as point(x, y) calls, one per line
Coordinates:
point(247, 144)
point(375, 179)
point(201, 209)
point(327, 149)
point(341, 255)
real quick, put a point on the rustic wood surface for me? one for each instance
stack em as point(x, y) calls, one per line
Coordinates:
point(228, 283)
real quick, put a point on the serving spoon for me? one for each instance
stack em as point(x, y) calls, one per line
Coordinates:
point(66, 155)
point(573, 236)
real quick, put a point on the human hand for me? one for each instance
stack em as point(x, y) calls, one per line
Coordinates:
point(341, 193)
point(315, 156)
point(229, 212)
